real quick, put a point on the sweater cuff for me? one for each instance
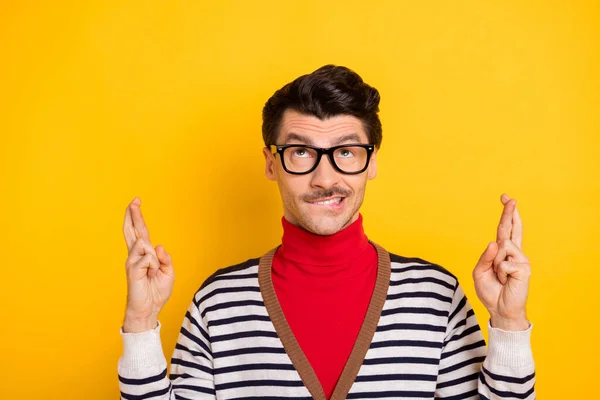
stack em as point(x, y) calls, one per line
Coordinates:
point(142, 350)
point(510, 348)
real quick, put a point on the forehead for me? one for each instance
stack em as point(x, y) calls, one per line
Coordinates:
point(320, 132)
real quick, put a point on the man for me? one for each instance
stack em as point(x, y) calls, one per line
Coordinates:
point(329, 314)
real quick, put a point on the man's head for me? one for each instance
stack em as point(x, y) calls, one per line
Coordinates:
point(330, 107)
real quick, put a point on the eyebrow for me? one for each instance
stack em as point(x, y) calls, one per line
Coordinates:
point(351, 137)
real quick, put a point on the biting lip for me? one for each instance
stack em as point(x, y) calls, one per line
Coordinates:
point(328, 201)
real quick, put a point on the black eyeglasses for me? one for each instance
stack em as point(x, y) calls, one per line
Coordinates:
point(348, 159)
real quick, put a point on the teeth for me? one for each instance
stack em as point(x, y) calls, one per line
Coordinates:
point(336, 200)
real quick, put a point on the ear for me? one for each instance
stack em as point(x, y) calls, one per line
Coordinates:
point(372, 170)
point(270, 171)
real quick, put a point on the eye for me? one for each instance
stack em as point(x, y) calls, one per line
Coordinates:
point(301, 152)
point(345, 153)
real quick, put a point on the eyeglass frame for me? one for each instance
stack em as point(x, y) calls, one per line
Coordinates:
point(329, 152)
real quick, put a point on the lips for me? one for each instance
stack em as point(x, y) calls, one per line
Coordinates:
point(331, 202)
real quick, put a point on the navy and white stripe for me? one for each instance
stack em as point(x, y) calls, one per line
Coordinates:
point(428, 345)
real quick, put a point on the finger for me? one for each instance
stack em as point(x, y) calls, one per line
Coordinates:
point(139, 224)
point(512, 270)
point(486, 260)
point(165, 260)
point(517, 229)
point(163, 257)
point(128, 231)
point(508, 251)
point(149, 262)
point(505, 225)
point(141, 247)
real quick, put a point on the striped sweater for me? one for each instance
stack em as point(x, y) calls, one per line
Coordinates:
point(419, 340)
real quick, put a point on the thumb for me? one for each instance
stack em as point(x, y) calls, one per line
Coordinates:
point(486, 261)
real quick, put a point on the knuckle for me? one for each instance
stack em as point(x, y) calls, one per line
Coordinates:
point(130, 262)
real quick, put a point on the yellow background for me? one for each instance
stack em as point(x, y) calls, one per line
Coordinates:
point(104, 101)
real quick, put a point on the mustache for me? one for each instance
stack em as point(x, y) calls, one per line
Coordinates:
point(322, 194)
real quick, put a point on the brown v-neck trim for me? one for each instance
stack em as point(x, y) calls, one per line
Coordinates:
point(363, 341)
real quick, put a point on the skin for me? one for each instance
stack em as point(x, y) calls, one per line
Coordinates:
point(501, 275)
point(149, 270)
point(300, 192)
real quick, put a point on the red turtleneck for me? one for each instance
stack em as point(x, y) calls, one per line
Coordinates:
point(324, 285)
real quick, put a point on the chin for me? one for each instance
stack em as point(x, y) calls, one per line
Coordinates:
point(327, 231)
point(325, 226)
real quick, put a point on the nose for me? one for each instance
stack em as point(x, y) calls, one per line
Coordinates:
point(325, 175)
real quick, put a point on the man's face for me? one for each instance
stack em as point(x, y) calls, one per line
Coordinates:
point(301, 194)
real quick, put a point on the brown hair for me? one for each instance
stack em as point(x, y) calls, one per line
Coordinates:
point(329, 91)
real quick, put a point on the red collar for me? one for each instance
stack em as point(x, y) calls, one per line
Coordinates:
point(343, 247)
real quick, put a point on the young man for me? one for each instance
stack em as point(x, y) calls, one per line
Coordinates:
point(329, 314)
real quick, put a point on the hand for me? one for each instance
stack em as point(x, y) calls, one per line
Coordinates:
point(150, 274)
point(502, 274)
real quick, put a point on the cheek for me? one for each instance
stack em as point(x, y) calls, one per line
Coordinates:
point(357, 184)
point(292, 187)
